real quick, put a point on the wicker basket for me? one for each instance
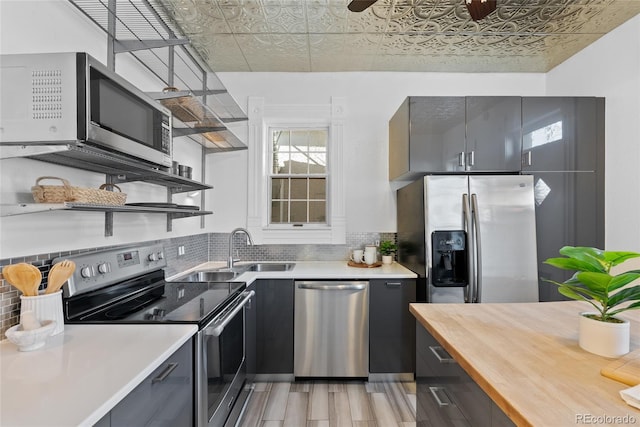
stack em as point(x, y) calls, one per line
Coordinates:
point(67, 193)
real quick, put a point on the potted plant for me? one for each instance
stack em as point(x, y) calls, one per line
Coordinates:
point(387, 249)
point(600, 332)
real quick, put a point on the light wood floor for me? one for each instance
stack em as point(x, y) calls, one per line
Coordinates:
point(331, 404)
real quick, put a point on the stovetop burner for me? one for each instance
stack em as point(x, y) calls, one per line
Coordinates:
point(128, 286)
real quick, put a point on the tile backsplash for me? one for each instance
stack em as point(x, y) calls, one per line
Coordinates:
point(197, 249)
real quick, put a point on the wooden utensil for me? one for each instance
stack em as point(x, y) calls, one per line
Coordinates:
point(29, 277)
point(59, 274)
point(8, 273)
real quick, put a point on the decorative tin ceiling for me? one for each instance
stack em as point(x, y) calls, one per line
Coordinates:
point(393, 35)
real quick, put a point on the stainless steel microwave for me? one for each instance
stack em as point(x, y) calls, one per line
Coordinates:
point(58, 98)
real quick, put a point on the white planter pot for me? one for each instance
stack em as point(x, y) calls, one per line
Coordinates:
point(603, 338)
point(387, 259)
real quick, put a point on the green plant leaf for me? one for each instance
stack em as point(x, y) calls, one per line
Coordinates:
point(572, 264)
point(616, 258)
point(582, 290)
point(592, 256)
point(625, 295)
point(597, 282)
point(634, 306)
point(623, 279)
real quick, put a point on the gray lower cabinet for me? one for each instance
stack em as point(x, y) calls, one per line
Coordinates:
point(445, 394)
point(391, 326)
point(164, 398)
point(274, 326)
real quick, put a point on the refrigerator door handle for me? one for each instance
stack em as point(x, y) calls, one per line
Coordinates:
point(478, 246)
point(468, 294)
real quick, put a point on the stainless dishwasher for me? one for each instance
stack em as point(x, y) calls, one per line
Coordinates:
point(331, 329)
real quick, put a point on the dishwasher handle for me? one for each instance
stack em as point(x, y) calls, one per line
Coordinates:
point(332, 286)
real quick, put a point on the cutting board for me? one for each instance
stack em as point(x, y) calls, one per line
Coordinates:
point(625, 370)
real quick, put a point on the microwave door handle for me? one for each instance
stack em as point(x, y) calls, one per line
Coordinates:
point(466, 219)
point(217, 330)
point(478, 245)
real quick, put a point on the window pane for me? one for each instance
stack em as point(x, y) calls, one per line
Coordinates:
point(281, 140)
point(318, 139)
point(317, 188)
point(300, 140)
point(279, 188)
point(299, 163)
point(317, 212)
point(299, 188)
point(281, 163)
point(318, 162)
point(279, 212)
point(299, 211)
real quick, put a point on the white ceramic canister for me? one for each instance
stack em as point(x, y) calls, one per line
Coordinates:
point(45, 307)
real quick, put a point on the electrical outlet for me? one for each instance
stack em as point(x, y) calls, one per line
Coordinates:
point(377, 243)
point(181, 250)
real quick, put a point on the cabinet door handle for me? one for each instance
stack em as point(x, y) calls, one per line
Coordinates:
point(164, 374)
point(436, 392)
point(526, 158)
point(393, 284)
point(472, 158)
point(441, 354)
point(461, 159)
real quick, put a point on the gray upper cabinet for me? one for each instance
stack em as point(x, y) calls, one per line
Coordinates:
point(562, 134)
point(454, 134)
point(493, 125)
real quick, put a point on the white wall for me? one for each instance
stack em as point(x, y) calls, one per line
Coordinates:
point(372, 98)
point(611, 68)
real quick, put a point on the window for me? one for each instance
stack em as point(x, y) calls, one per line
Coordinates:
point(298, 180)
point(295, 183)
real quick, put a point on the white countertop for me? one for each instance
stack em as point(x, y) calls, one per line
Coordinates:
point(315, 270)
point(82, 373)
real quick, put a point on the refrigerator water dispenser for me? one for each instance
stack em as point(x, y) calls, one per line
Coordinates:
point(449, 259)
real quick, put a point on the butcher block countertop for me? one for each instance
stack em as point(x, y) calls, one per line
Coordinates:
point(526, 357)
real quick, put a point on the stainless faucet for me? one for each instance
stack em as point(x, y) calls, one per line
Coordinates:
point(230, 260)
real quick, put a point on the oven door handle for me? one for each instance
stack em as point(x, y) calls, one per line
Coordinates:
point(218, 327)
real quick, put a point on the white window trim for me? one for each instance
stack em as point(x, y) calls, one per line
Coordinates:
point(261, 118)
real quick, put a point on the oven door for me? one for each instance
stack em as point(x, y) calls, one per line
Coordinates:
point(220, 363)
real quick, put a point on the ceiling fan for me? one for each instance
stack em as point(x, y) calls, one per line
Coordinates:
point(478, 9)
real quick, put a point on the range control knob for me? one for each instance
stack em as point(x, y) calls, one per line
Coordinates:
point(160, 255)
point(103, 268)
point(152, 257)
point(85, 272)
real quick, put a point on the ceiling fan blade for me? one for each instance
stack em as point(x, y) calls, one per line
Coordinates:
point(360, 5)
point(480, 9)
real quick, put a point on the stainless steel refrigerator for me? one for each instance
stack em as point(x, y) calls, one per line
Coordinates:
point(470, 238)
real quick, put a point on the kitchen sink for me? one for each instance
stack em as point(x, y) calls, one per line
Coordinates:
point(208, 276)
point(225, 274)
point(271, 266)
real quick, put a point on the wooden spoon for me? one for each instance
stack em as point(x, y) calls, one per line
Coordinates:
point(59, 274)
point(27, 276)
point(9, 274)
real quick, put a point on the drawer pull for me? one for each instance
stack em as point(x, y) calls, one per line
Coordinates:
point(441, 354)
point(167, 371)
point(393, 284)
point(436, 392)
